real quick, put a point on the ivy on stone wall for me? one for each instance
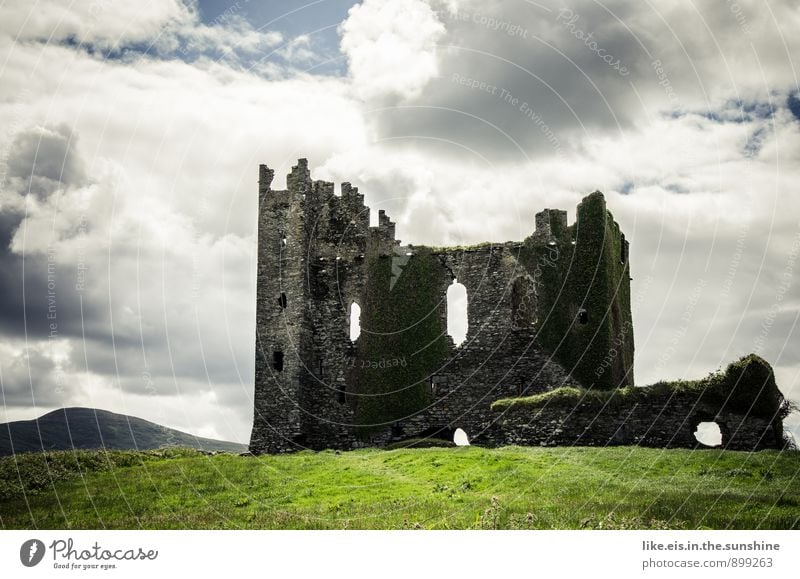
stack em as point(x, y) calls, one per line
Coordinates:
point(402, 339)
point(586, 276)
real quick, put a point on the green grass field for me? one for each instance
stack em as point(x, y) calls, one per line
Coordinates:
point(432, 488)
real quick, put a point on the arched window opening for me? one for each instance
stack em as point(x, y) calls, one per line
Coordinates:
point(583, 317)
point(457, 319)
point(460, 438)
point(277, 360)
point(708, 433)
point(355, 321)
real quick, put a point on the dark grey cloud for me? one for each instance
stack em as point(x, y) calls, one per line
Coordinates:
point(37, 293)
point(521, 80)
point(498, 93)
point(32, 378)
point(44, 159)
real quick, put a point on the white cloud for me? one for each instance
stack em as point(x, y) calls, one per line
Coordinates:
point(155, 27)
point(391, 47)
point(106, 23)
point(298, 50)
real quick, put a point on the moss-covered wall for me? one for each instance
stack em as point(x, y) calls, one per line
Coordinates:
point(402, 341)
point(582, 280)
point(746, 386)
point(744, 401)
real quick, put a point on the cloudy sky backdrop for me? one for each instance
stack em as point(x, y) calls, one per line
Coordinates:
point(131, 134)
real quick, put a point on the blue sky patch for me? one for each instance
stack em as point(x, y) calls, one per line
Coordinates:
point(292, 18)
point(793, 103)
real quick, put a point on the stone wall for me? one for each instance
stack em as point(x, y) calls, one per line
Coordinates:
point(543, 312)
point(664, 421)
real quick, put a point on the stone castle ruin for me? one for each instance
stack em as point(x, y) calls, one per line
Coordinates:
point(548, 352)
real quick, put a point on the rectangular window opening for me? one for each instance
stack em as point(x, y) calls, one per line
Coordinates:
point(277, 360)
point(438, 385)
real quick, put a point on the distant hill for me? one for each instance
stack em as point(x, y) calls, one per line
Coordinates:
point(88, 428)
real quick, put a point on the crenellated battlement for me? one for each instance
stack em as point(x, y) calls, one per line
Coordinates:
point(551, 224)
point(342, 220)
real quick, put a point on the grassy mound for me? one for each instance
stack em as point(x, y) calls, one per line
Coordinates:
point(437, 488)
point(33, 472)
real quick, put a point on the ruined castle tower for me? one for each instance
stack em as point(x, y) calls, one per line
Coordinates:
point(553, 309)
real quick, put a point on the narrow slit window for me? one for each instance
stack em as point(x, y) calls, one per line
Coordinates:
point(277, 360)
point(355, 321)
point(282, 300)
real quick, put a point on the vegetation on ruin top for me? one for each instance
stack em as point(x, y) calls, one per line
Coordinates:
point(746, 386)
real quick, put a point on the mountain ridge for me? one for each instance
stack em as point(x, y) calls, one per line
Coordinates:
point(93, 428)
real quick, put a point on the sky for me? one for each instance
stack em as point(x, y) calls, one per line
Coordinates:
point(131, 134)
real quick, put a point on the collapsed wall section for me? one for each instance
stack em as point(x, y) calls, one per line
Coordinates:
point(743, 401)
point(659, 422)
